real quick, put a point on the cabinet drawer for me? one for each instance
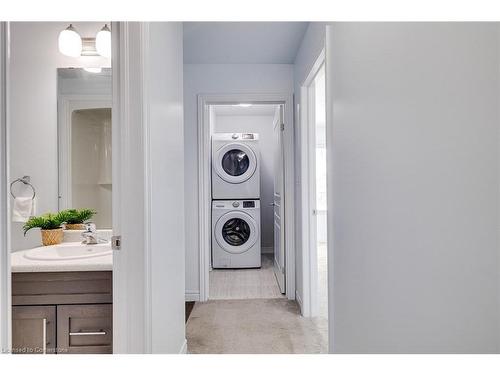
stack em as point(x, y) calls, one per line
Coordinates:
point(85, 329)
point(54, 288)
point(33, 329)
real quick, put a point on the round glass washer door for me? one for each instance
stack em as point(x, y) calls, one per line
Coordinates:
point(235, 163)
point(236, 232)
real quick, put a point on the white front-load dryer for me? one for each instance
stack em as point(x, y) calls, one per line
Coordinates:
point(236, 234)
point(235, 166)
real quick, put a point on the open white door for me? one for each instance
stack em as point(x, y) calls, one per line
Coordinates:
point(279, 235)
point(313, 211)
point(148, 190)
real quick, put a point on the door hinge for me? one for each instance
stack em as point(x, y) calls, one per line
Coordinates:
point(116, 242)
point(282, 127)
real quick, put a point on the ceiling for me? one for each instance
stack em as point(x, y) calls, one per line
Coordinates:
point(254, 110)
point(242, 42)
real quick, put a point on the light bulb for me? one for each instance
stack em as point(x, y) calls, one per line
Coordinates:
point(103, 42)
point(70, 42)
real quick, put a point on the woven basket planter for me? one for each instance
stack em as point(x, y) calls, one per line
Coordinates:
point(75, 226)
point(52, 236)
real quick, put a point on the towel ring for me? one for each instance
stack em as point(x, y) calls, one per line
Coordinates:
point(26, 181)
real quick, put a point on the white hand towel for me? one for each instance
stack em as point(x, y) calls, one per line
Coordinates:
point(23, 208)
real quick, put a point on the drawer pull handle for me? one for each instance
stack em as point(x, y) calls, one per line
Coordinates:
point(44, 335)
point(98, 333)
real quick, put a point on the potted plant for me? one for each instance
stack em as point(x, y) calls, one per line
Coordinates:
point(75, 219)
point(50, 226)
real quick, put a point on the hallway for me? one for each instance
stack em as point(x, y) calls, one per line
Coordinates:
point(254, 326)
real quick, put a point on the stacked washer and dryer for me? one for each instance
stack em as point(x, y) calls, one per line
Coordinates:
point(235, 200)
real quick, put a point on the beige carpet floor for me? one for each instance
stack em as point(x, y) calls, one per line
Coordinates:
point(254, 326)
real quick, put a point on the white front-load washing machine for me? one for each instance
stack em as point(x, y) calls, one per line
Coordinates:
point(236, 234)
point(235, 166)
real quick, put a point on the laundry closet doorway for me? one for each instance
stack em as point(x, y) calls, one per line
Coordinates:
point(246, 116)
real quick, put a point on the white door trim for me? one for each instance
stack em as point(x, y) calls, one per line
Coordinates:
point(204, 185)
point(5, 277)
point(66, 105)
point(308, 185)
point(330, 186)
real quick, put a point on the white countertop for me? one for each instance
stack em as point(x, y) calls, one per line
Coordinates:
point(20, 261)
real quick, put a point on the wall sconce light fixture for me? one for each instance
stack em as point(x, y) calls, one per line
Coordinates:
point(70, 42)
point(103, 42)
point(73, 45)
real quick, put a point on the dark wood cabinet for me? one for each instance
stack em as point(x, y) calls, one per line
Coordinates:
point(85, 329)
point(71, 312)
point(33, 329)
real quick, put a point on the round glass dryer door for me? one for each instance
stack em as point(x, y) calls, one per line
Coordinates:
point(235, 163)
point(236, 232)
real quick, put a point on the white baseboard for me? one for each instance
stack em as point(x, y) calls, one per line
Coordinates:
point(192, 296)
point(299, 301)
point(267, 250)
point(184, 347)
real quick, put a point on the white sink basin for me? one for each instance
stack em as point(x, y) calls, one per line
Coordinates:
point(68, 251)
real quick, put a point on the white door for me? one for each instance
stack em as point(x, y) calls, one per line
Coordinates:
point(317, 195)
point(148, 270)
point(278, 202)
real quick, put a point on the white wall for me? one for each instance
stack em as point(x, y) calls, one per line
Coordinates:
point(309, 51)
point(34, 59)
point(262, 124)
point(216, 78)
point(414, 165)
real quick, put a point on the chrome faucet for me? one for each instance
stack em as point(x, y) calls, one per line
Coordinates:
point(89, 237)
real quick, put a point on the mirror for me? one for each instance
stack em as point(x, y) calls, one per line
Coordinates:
point(84, 140)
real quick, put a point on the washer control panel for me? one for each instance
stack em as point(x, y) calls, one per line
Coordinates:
point(239, 204)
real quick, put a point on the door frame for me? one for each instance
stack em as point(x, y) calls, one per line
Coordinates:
point(308, 186)
point(205, 186)
point(5, 277)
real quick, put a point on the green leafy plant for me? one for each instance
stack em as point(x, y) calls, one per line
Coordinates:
point(74, 216)
point(47, 221)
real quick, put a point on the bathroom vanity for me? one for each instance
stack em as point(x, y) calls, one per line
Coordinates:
point(62, 299)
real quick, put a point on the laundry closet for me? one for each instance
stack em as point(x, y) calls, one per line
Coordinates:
point(243, 201)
